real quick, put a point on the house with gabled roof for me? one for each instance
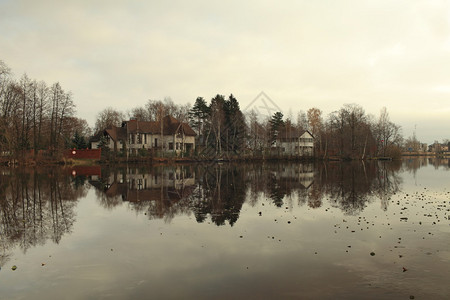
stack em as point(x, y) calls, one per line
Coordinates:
point(294, 142)
point(169, 135)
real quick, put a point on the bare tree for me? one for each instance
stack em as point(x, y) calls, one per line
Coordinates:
point(387, 133)
point(108, 117)
point(302, 121)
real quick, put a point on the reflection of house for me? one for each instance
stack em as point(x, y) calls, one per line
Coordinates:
point(302, 173)
point(294, 142)
point(168, 135)
point(172, 184)
point(93, 172)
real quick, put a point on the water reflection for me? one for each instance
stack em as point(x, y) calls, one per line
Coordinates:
point(36, 206)
point(219, 191)
point(112, 252)
point(412, 164)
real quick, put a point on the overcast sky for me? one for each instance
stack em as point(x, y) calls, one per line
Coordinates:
point(302, 54)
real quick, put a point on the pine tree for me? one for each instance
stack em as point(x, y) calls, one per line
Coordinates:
point(198, 116)
point(276, 123)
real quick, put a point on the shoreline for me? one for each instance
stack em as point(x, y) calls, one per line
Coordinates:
point(189, 160)
point(193, 160)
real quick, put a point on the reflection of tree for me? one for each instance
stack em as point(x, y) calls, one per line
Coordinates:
point(36, 206)
point(350, 185)
point(218, 191)
point(222, 191)
point(275, 191)
point(438, 162)
point(413, 164)
point(387, 181)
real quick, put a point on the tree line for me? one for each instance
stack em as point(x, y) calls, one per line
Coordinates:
point(348, 133)
point(37, 116)
point(224, 129)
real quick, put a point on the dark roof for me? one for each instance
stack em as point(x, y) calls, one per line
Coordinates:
point(170, 126)
point(96, 137)
point(117, 133)
point(293, 133)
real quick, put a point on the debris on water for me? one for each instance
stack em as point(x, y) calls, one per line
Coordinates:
point(372, 253)
point(405, 269)
point(289, 222)
point(43, 264)
point(241, 236)
point(411, 297)
point(14, 267)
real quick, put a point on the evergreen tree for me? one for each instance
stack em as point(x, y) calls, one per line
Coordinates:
point(217, 117)
point(198, 116)
point(276, 123)
point(78, 141)
point(235, 125)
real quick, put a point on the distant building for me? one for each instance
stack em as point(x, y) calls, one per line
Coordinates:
point(423, 147)
point(438, 147)
point(294, 142)
point(170, 135)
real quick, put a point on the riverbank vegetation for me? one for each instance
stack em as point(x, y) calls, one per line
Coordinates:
point(38, 121)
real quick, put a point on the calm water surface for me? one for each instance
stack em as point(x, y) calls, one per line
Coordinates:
point(267, 231)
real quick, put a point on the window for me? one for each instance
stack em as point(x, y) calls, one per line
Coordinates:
point(170, 146)
point(139, 138)
point(178, 146)
point(156, 143)
point(145, 138)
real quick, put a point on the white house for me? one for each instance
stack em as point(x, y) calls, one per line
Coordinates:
point(295, 143)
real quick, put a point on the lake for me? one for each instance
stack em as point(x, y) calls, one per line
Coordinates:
point(339, 230)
